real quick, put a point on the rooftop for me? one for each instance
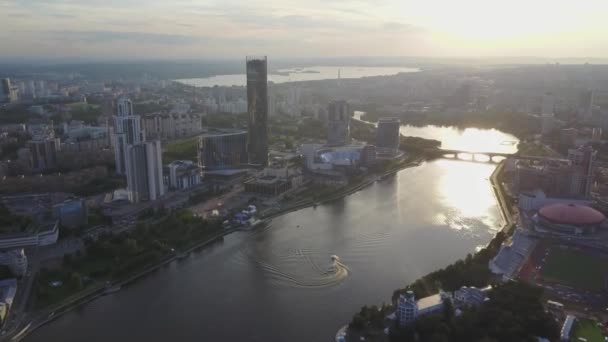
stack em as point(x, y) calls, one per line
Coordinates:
point(573, 214)
point(428, 302)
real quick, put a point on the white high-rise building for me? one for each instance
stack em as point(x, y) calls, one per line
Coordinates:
point(144, 171)
point(139, 159)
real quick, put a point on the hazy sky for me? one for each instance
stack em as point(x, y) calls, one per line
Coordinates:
point(310, 28)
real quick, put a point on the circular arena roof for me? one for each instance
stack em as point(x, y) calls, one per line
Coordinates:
point(572, 214)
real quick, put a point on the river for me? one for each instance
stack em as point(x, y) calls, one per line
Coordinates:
point(313, 73)
point(281, 284)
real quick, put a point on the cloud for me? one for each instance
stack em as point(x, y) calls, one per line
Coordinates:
point(93, 37)
point(398, 26)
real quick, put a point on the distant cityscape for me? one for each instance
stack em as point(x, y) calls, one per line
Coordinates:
point(105, 181)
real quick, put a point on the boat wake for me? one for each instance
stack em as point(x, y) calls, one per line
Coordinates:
point(298, 268)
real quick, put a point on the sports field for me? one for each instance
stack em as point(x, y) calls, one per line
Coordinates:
point(574, 268)
point(588, 330)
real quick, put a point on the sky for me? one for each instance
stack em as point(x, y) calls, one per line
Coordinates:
point(179, 29)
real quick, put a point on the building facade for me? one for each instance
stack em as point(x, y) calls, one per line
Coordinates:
point(144, 171)
point(338, 123)
point(182, 174)
point(15, 260)
point(172, 125)
point(407, 309)
point(582, 159)
point(71, 213)
point(224, 149)
point(387, 134)
point(257, 110)
point(43, 153)
point(127, 131)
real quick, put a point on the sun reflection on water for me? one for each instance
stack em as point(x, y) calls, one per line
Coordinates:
point(464, 195)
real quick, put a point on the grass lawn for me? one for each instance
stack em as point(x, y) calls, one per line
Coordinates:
point(588, 330)
point(575, 268)
point(181, 149)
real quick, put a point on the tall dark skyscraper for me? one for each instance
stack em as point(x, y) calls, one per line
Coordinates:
point(338, 123)
point(257, 109)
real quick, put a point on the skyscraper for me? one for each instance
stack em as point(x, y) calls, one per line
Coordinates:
point(387, 134)
point(144, 171)
point(257, 110)
point(338, 125)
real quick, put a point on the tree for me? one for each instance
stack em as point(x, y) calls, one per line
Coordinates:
point(76, 281)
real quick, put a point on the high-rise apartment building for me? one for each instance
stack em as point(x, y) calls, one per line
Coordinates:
point(582, 159)
point(338, 123)
point(257, 110)
point(43, 152)
point(127, 131)
point(139, 159)
point(144, 171)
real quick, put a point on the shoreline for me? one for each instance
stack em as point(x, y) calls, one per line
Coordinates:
point(348, 192)
point(48, 315)
point(505, 212)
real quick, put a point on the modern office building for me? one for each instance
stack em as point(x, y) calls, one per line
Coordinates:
point(144, 171)
point(182, 174)
point(338, 123)
point(222, 149)
point(387, 134)
point(43, 153)
point(257, 110)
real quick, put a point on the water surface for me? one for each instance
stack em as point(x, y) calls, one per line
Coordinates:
point(313, 73)
point(283, 283)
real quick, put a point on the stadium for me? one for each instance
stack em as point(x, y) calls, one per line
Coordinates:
point(570, 219)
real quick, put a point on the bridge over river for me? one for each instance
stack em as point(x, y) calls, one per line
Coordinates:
point(457, 154)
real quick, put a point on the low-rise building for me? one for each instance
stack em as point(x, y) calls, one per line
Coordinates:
point(8, 290)
point(470, 296)
point(274, 181)
point(44, 235)
point(564, 334)
point(409, 309)
point(15, 260)
point(182, 174)
point(71, 213)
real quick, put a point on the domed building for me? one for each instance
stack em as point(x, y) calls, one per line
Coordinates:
point(573, 219)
